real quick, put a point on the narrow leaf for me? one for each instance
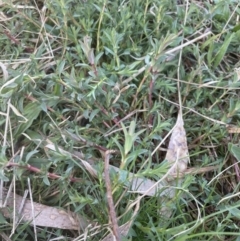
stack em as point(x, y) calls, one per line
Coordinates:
point(132, 127)
point(128, 144)
point(235, 150)
point(222, 51)
point(16, 112)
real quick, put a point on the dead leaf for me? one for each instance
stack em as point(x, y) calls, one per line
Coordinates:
point(141, 185)
point(4, 70)
point(178, 157)
point(177, 153)
point(44, 215)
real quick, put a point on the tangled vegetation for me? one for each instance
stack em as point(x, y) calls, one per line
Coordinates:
point(82, 77)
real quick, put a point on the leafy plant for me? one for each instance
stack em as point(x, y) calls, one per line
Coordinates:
point(80, 78)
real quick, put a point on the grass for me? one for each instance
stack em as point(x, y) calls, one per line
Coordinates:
point(77, 74)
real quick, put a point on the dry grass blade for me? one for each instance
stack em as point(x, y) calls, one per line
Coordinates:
point(112, 212)
point(233, 129)
point(5, 237)
point(123, 230)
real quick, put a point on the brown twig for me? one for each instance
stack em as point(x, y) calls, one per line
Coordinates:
point(150, 120)
point(37, 170)
point(115, 120)
point(140, 86)
point(237, 171)
point(94, 69)
point(112, 212)
point(86, 142)
point(16, 41)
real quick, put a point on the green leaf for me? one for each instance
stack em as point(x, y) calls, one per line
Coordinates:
point(235, 150)
point(10, 82)
point(210, 53)
point(222, 51)
point(108, 50)
point(235, 212)
point(209, 41)
point(128, 144)
point(128, 138)
point(16, 112)
point(44, 106)
point(124, 129)
point(46, 181)
point(93, 114)
point(61, 67)
point(132, 127)
point(30, 154)
point(236, 28)
point(133, 155)
point(2, 219)
point(31, 112)
point(137, 134)
point(3, 177)
point(98, 57)
point(119, 146)
point(238, 238)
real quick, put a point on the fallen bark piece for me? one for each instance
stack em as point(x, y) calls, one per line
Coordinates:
point(44, 215)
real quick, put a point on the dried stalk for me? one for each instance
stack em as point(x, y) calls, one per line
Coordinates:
point(112, 213)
